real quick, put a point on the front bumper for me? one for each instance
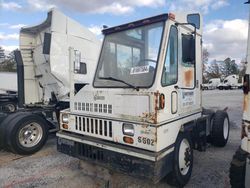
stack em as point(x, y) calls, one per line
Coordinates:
point(135, 162)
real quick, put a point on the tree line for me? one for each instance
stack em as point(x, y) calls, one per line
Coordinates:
point(214, 69)
point(8, 64)
point(221, 69)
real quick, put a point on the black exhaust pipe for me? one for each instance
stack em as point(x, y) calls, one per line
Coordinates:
point(20, 78)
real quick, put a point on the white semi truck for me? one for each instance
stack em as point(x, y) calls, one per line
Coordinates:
point(142, 115)
point(44, 79)
point(230, 82)
point(240, 165)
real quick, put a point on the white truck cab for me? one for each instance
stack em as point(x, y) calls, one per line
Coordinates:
point(44, 76)
point(143, 113)
point(212, 84)
point(230, 82)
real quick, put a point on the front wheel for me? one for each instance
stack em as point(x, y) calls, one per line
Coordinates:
point(26, 134)
point(238, 169)
point(183, 161)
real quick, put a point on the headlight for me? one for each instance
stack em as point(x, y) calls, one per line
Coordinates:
point(65, 118)
point(128, 129)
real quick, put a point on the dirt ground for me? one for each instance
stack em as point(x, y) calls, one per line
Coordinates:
point(49, 168)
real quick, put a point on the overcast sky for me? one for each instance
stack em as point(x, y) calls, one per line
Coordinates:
point(225, 21)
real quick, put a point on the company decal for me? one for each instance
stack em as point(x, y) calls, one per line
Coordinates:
point(98, 97)
point(187, 98)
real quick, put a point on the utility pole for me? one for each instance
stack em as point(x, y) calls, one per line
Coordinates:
point(248, 41)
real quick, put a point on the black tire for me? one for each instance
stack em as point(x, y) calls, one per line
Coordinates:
point(218, 136)
point(176, 178)
point(220, 88)
point(4, 125)
point(17, 125)
point(8, 107)
point(238, 169)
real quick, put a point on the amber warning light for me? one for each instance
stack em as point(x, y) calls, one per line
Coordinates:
point(171, 16)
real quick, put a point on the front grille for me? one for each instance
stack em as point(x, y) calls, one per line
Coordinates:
point(93, 107)
point(93, 126)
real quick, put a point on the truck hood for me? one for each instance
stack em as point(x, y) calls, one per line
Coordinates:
point(130, 106)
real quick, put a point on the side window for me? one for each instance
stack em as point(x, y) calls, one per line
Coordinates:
point(170, 69)
point(46, 43)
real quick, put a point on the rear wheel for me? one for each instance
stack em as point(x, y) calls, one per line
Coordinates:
point(9, 107)
point(26, 134)
point(183, 161)
point(220, 129)
point(238, 169)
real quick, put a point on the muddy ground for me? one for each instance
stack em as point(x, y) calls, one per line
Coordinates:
point(49, 168)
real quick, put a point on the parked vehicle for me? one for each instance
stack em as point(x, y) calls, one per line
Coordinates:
point(230, 82)
point(8, 101)
point(8, 92)
point(142, 114)
point(240, 165)
point(212, 84)
point(43, 79)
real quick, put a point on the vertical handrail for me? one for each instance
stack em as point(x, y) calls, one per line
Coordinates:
point(20, 78)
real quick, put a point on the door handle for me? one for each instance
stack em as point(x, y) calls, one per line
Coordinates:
point(176, 87)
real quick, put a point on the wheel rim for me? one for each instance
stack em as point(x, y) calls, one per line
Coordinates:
point(10, 107)
point(30, 135)
point(184, 157)
point(225, 128)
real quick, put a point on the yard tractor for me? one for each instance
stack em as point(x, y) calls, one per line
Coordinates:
point(142, 114)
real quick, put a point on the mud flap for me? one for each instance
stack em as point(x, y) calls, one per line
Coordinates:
point(247, 177)
point(199, 136)
point(2, 117)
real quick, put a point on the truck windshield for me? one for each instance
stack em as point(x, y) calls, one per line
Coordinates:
point(129, 57)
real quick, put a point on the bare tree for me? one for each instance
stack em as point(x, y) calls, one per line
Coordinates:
point(205, 56)
point(213, 70)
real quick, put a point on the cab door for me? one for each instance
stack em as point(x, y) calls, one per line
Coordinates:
point(187, 85)
point(169, 77)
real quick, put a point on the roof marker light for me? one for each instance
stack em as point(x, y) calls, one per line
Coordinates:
point(146, 21)
point(171, 16)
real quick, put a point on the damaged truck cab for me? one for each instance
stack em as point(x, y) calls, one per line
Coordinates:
point(143, 115)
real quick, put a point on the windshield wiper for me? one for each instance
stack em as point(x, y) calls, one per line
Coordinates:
point(118, 80)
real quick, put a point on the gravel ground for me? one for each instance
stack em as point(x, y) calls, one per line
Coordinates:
point(48, 168)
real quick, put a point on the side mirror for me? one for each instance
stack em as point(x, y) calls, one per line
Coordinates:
point(194, 19)
point(79, 67)
point(188, 49)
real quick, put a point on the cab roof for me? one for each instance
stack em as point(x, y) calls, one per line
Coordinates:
point(145, 21)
